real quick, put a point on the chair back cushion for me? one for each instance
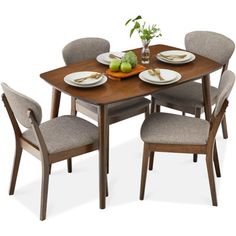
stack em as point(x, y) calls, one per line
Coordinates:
point(20, 104)
point(225, 87)
point(84, 49)
point(211, 45)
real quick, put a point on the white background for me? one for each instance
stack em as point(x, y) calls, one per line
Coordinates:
point(177, 200)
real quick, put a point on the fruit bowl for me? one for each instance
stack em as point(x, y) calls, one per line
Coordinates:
point(118, 75)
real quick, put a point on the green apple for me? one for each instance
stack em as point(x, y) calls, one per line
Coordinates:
point(115, 64)
point(125, 67)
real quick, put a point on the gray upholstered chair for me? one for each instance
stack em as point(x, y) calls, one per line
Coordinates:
point(52, 141)
point(89, 48)
point(164, 132)
point(188, 97)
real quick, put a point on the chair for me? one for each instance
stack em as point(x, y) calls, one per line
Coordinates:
point(188, 97)
point(52, 141)
point(89, 48)
point(166, 132)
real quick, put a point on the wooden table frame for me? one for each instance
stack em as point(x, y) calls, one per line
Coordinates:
point(115, 91)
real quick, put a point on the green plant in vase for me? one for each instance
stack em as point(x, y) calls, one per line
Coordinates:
point(146, 34)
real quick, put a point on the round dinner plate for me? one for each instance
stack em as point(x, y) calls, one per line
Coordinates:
point(82, 74)
point(105, 59)
point(174, 77)
point(166, 74)
point(163, 56)
point(88, 83)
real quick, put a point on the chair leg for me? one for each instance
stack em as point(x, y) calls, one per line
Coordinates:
point(151, 160)
point(197, 115)
point(108, 161)
point(69, 165)
point(144, 171)
point(194, 157)
point(15, 168)
point(210, 171)
point(44, 191)
point(73, 110)
point(224, 128)
point(216, 161)
point(153, 105)
point(154, 108)
point(147, 112)
point(50, 168)
point(107, 193)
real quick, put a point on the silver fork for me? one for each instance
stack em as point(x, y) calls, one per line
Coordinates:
point(112, 56)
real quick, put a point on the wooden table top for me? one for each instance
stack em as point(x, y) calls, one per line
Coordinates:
point(114, 91)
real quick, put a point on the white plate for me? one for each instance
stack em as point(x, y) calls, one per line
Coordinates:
point(144, 76)
point(99, 82)
point(189, 57)
point(105, 59)
point(81, 74)
point(167, 75)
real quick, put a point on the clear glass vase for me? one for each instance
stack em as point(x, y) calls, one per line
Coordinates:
point(145, 51)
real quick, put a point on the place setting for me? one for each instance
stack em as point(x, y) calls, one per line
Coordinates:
point(160, 76)
point(106, 58)
point(85, 79)
point(176, 57)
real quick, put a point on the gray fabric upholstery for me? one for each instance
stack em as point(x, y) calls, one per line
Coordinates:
point(20, 104)
point(89, 48)
point(211, 45)
point(118, 108)
point(225, 87)
point(164, 128)
point(65, 133)
point(187, 97)
point(84, 49)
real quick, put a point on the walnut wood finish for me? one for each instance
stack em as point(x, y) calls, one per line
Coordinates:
point(41, 153)
point(56, 98)
point(210, 150)
point(115, 91)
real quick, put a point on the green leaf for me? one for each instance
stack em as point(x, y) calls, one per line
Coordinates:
point(137, 18)
point(136, 25)
point(127, 22)
point(131, 32)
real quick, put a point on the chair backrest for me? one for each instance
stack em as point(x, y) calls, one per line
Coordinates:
point(225, 87)
point(84, 49)
point(20, 104)
point(211, 45)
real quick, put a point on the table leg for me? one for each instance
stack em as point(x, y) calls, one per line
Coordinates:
point(103, 146)
point(56, 97)
point(206, 90)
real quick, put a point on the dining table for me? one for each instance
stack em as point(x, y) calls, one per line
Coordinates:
point(120, 90)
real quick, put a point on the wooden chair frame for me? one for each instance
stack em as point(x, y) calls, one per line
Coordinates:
point(40, 153)
point(157, 108)
point(209, 149)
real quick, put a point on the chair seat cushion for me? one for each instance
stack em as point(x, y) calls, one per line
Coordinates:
point(185, 97)
point(65, 133)
point(165, 128)
point(118, 107)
